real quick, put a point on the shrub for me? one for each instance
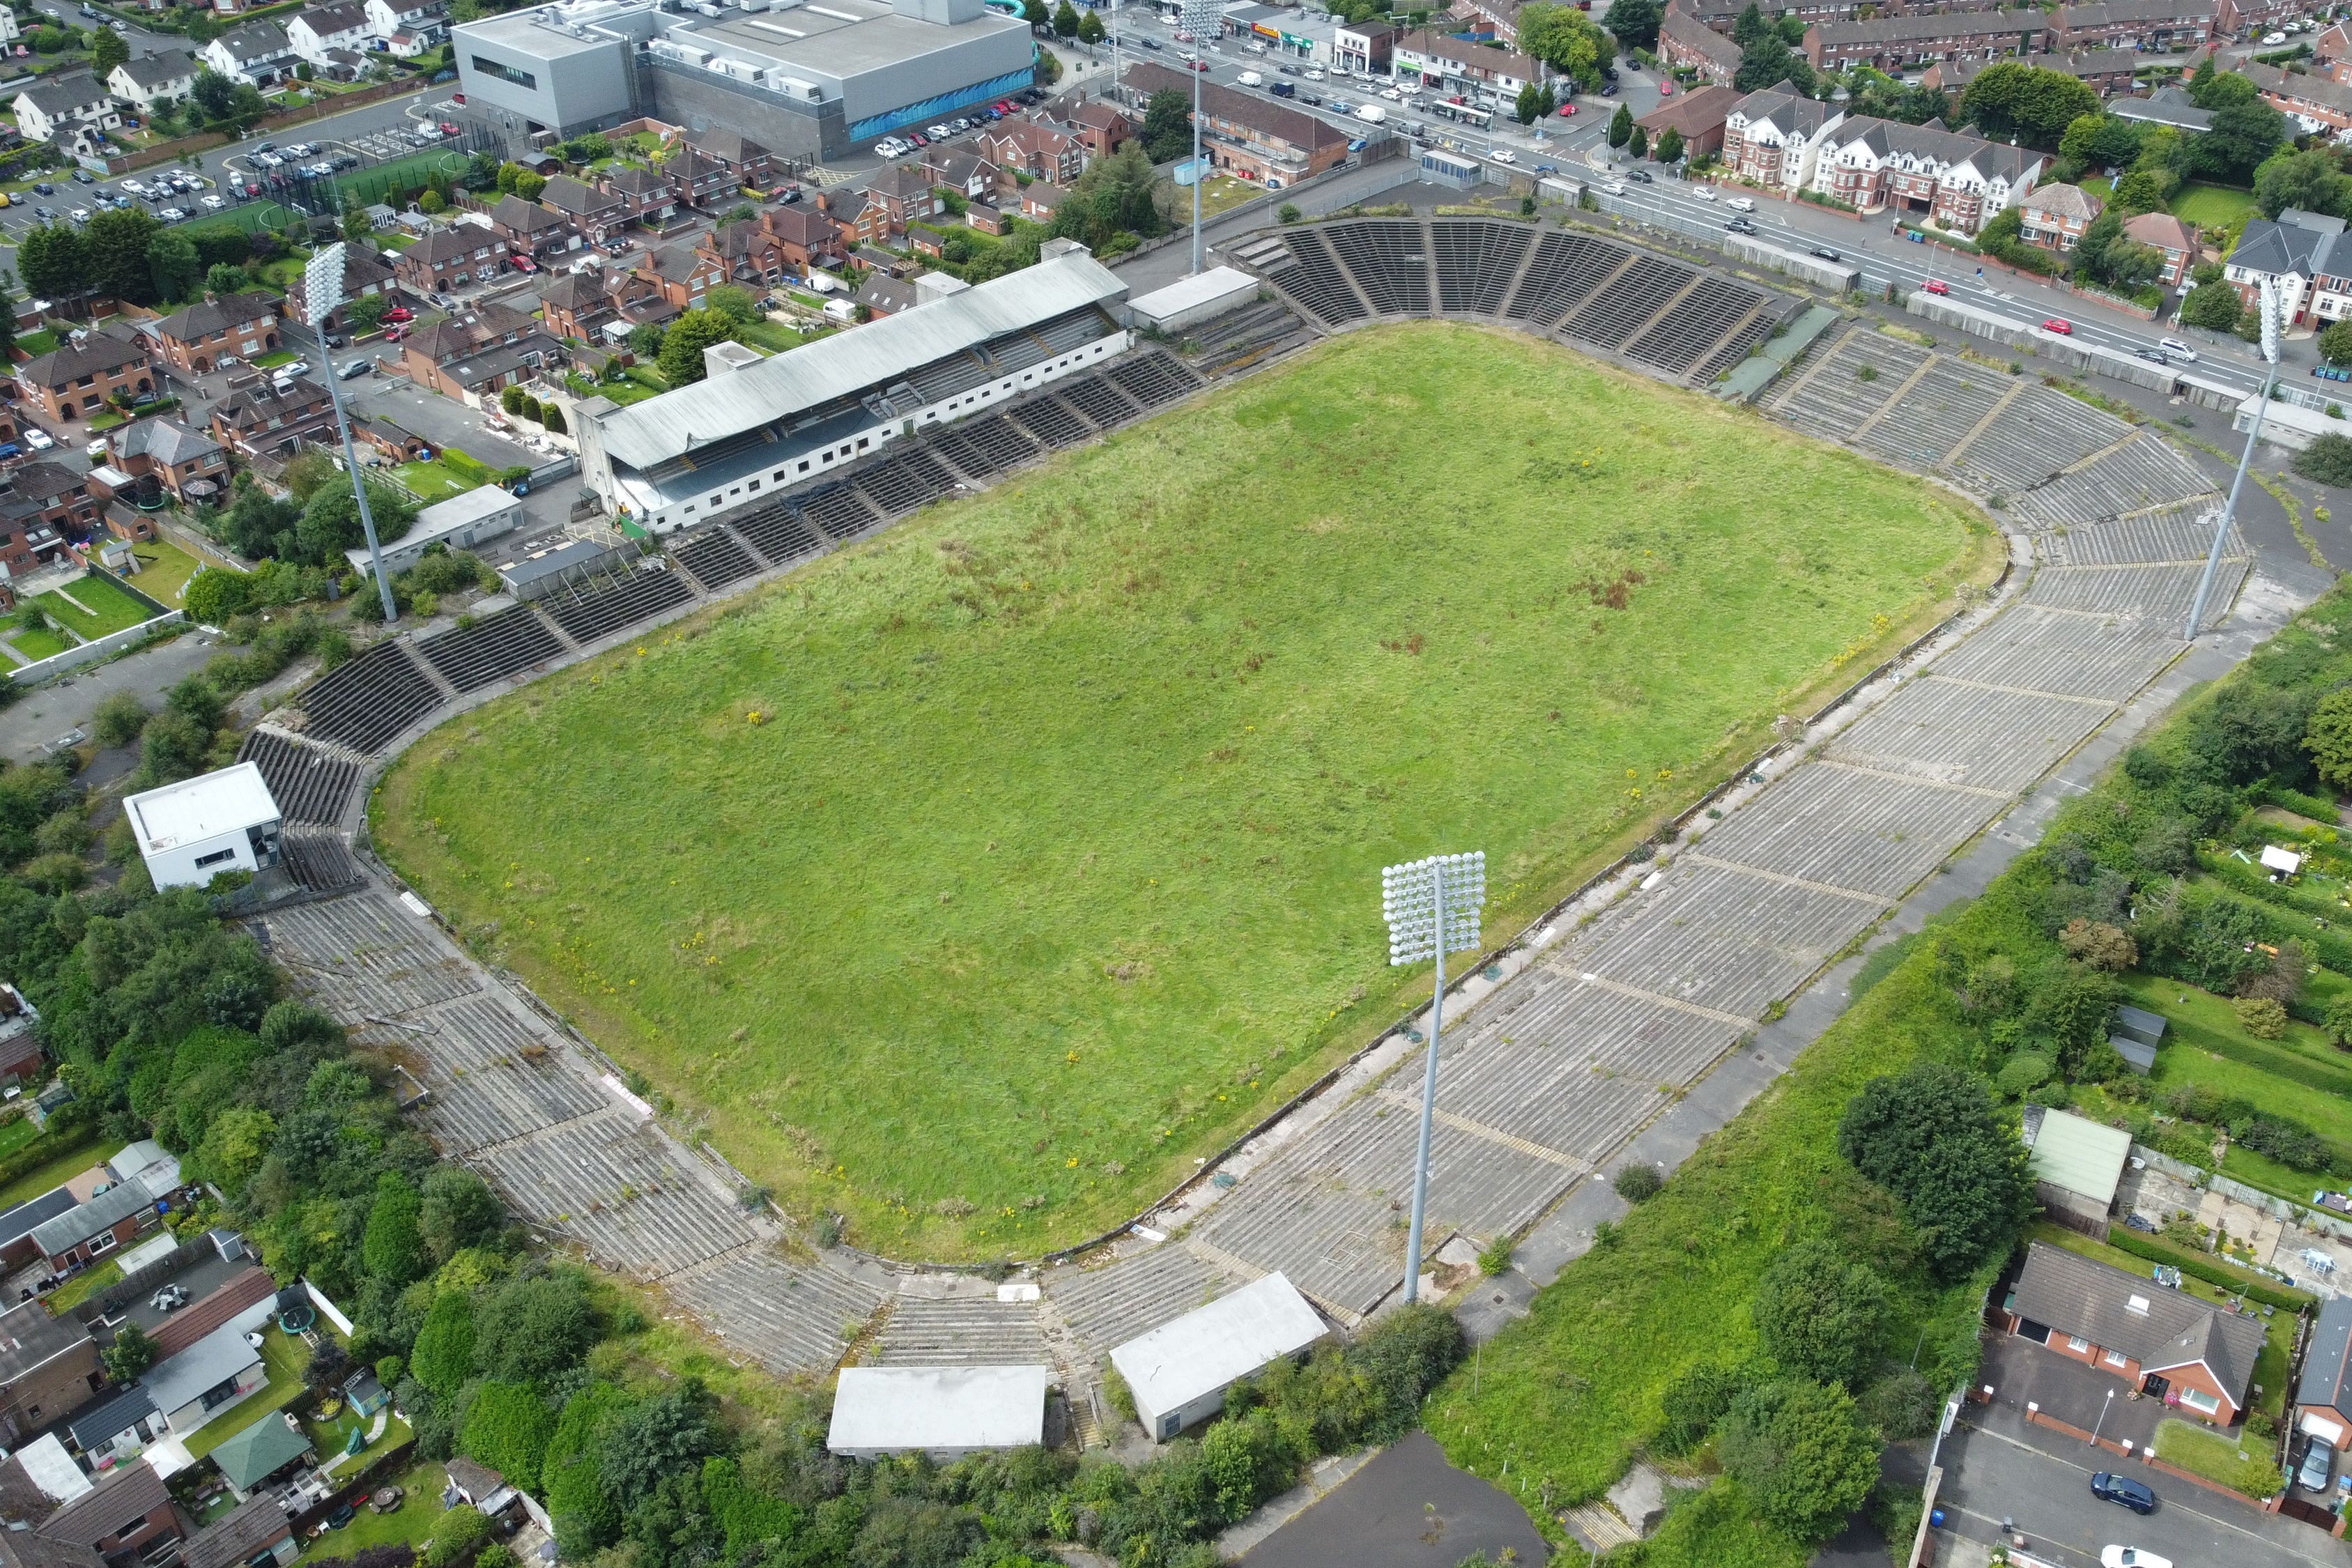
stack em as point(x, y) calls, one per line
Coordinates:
point(2263, 1018)
point(2021, 1073)
point(1693, 1403)
point(463, 1531)
point(1818, 1314)
point(1902, 1406)
point(1639, 1183)
point(1496, 1256)
point(1801, 1454)
point(119, 719)
point(2327, 461)
point(2099, 944)
point(1930, 1135)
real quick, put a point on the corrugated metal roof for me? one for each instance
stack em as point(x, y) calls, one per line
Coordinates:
point(676, 423)
point(2081, 1155)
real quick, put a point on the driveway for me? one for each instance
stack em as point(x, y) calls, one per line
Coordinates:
point(2023, 1373)
point(1997, 1468)
point(1407, 1508)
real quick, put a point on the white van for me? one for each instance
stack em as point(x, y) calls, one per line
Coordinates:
point(1740, 203)
point(1250, 79)
point(1372, 113)
point(841, 310)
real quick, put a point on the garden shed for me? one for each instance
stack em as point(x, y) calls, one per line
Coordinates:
point(2077, 1167)
point(945, 1412)
point(1179, 1371)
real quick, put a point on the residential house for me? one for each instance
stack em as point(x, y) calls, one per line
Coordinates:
point(423, 22)
point(1041, 199)
point(1450, 64)
point(1775, 137)
point(151, 78)
point(857, 217)
point(192, 341)
point(2168, 237)
point(2252, 18)
point(17, 551)
point(2168, 105)
point(1954, 177)
point(1697, 116)
point(114, 1427)
point(63, 497)
point(2331, 52)
point(2314, 103)
point(885, 296)
point(90, 1230)
point(126, 1518)
point(958, 169)
point(213, 1375)
point(2054, 217)
point(779, 243)
point(1900, 43)
point(702, 182)
point(2104, 71)
point(595, 212)
point(332, 37)
point(1042, 151)
point(2304, 254)
point(20, 1047)
point(574, 304)
point(1485, 20)
point(530, 229)
point(256, 1530)
point(649, 199)
point(2199, 1357)
point(478, 351)
point(749, 164)
point(258, 53)
point(54, 108)
point(256, 417)
point(48, 1366)
point(1100, 128)
point(1364, 48)
point(2323, 1394)
point(17, 1224)
point(1257, 138)
point(905, 196)
point(682, 274)
point(1685, 43)
point(2157, 27)
point(449, 258)
point(365, 272)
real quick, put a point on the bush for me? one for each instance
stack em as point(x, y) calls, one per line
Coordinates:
point(1818, 1314)
point(1639, 1183)
point(463, 1531)
point(1693, 1403)
point(2198, 1266)
point(2021, 1073)
point(119, 719)
point(1930, 1135)
point(2327, 461)
point(1801, 1454)
point(1902, 1406)
point(1496, 1257)
point(2263, 1018)
point(2099, 944)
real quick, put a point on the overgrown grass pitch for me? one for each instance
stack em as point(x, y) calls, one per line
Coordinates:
point(975, 882)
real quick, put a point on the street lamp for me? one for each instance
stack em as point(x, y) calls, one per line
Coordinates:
point(1431, 909)
point(1198, 18)
point(322, 291)
point(2273, 307)
point(2103, 1418)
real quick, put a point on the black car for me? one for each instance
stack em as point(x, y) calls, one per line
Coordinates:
point(2154, 356)
point(1826, 254)
point(1641, 176)
point(1608, 89)
point(45, 188)
point(2133, 1495)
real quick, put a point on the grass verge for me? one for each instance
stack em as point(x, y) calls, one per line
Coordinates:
point(56, 1172)
point(2218, 1459)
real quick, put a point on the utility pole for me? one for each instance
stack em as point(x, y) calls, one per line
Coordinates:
point(322, 291)
point(2273, 307)
point(1431, 908)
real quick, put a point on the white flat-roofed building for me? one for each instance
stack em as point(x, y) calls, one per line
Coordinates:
point(945, 1412)
point(1179, 1371)
point(483, 513)
point(1189, 301)
point(736, 441)
point(192, 831)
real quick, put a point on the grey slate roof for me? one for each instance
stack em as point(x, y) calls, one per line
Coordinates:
point(2298, 242)
point(117, 1413)
point(2327, 1358)
point(1785, 109)
point(255, 41)
point(206, 317)
point(2112, 13)
point(29, 1337)
point(166, 440)
point(124, 1494)
point(1934, 27)
point(239, 1535)
point(25, 1216)
point(64, 94)
point(152, 71)
point(2078, 1295)
point(1935, 142)
point(109, 1208)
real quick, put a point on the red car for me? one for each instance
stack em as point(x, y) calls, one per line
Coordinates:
point(400, 313)
point(448, 128)
point(398, 330)
point(2063, 329)
point(523, 263)
point(1937, 285)
point(1199, 65)
point(1566, 110)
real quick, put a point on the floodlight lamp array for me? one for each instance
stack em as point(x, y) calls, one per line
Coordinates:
point(1410, 897)
point(323, 283)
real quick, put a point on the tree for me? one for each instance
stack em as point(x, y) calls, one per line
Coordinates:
point(533, 1328)
point(1770, 61)
point(2335, 343)
point(2100, 945)
point(458, 1211)
point(53, 259)
point(1168, 126)
point(1621, 126)
point(121, 717)
point(118, 254)
point(1634, 23)
point(444, 1358)
point(2315, 182)
point(1749, 28)
point(2103, 255)
point(1091, 30)
point(329, 524)
point(2240, 137)
point(1818, 1314)
point(2210, 87)
point(108, 51)
point(133, 1353)
point(2100, 141)
point(1932, 1136)
point(212, 93)
point(394, 1247)
point(2213, 305)
point(225, 280)
point(1065, 20)
point(173, 268)
point(586, 1516)
point(552, 415)
point(365, 314)
point(1801, 1454)
point(2011, 97)
point(2328, 737)
point(682, 345)
point(508, 1427)
point(736, 304)
point(1670, 146)
point(1566, 39)
point(433, 203)
point(1693, 1400)
point(2327, 461)
point(645, 340)
point(2338, 1017)
point(511, 399)
point(1034, 11)
point(1528, 109)
point(1638, 144)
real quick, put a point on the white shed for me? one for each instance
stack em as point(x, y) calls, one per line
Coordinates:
point(1179, 1371)
point(192, 831)
point(1190, 300)
point(946, 1412)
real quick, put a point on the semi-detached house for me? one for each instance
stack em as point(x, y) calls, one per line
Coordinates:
point(1895, 44)
point(1453, 64)
point(1959, 179)
point(61, 105)
point(74, 382)
point(2305, 253)
point(256, 53)
point(193, 341)
point(2193, 1354)
point(330, 39)
point(150, 79)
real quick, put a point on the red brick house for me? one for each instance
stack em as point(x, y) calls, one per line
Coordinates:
point(127, 1518)
point(530, 229)
point(702, 182)
point(857, 217)
point(90, 1230)
point(2155, 25)
point(2168, 237)
point(1685, 43)
point(1041, 199)
point(486, 348)
point(61, 497)
point(1100, 128)
point(255, 417)
point(239, 325)
point(745, 160)
point(2198, 1357)
point(365, 272)
point(682, 274)
point(597, 212)
point(2320, 102)
point(905, 196)
point(446, 258)
point(650, 199)
point(1041, 152)
point(75, 381)
point(2054, 217)
point(176, 455)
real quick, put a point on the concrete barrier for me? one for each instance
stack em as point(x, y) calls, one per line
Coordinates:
point(2207, 394)
point(91, 652)
point(2116, 365)
point(1946, 311)
point(1838, 277)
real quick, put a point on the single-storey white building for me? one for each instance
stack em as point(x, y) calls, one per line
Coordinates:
point(220, 1370)
point(482, 513)
point(192, 831)
point(1179, 1371)
point(946, 1412)
point(1189, 301)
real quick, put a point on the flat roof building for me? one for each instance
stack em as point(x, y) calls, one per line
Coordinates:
point(1179, 1371)
point(1189, 301)
point(484, 512)
point(803, 80)
point(734, 442)
point(945, 1412)
point(192, 831)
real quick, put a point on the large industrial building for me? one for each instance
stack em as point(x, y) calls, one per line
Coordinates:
point(739, 440)
point(804, 80)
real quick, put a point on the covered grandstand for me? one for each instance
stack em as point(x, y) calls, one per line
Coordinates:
point(733, 441)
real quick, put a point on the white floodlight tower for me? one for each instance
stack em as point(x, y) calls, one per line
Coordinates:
point(1199, 17)
point(2273, 307)
point(322, 291)
point(1431, 909)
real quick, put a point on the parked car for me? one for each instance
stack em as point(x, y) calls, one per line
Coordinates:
point(400, 313)
point(2063, 328)
point(2112, 1556)
point(213, 203)
point(2318, 1466)
point(2179, 350)
point(398, 330)
point(1567, 110)
point(523, 263)
point(2136, 1495)
point(356, 369)
point(43, 187)
point(84, 177)
point(38, 439)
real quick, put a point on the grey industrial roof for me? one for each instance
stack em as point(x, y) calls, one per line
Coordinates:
point(78, 1224)
point(854, 44)
point(672, 425)
point(932, 1409)
point(1209, 1347)
point(108, 1416)
point(2329, 1356)
point(2157, 1327)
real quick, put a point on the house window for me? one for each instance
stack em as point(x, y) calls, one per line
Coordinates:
point(2076, 1343)
point(2114, 1358)
point(2199, 1400)
point(104, 1241)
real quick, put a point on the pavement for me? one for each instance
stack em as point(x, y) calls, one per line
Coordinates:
point(1405, 1509)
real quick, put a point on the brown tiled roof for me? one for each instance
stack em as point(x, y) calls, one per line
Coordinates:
point(102, 350)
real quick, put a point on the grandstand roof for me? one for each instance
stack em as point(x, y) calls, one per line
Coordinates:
point(875, 355)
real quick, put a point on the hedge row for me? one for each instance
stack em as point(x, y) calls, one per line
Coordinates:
point(2209, 1271)
point(49, 1145)
point(466, 464)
